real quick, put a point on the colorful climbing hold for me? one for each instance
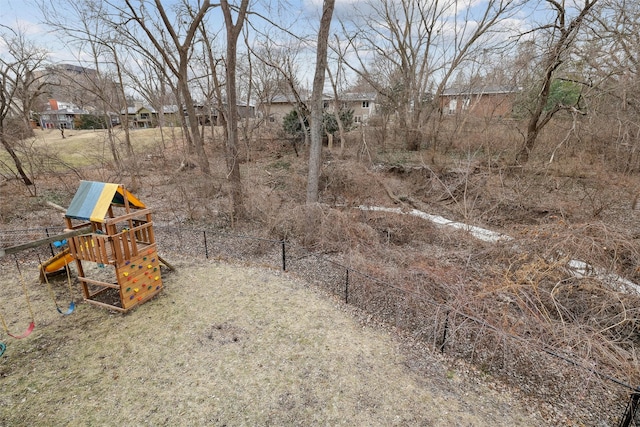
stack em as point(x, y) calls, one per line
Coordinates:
point(156, 278)
point(136, 290)
point(125, 274)
point(128, 289)
point(149, 266)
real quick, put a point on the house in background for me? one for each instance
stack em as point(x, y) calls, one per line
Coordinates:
point(60, 115)
point(275, 109)
point(362, 104)
point(210, 113)
point(70, 82)
point(140, 116)
point(143, 116)
point(481, 101)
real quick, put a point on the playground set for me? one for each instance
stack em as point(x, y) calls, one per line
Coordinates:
point(110, 228)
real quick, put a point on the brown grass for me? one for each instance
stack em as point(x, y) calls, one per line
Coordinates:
point(225, 345)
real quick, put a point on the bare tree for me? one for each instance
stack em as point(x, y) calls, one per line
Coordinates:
point(408, 50)
point(212, 85)
point(612, 59)
point(159, 91)
point(315, 149)
point(233, 166)
point(19, 88)
point(267, 81)
point(173, 43)
point(561, 38)
point(284, 59)
point(335, 82)
point(103, 85)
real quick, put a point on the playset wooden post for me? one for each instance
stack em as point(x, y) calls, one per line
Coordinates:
point(120, 238)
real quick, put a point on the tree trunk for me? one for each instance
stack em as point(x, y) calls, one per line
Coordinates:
point(315, 149)
point(192, 119)
point(127, 135)
point(336, 111)
point(530, 141)
point(233, 165)
point(16, 160)
point(113, 147)
point(554, 57)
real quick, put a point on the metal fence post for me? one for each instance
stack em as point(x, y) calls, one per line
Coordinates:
point(46, 230)
point(630, 416)
point(346, 288)
point(206, 247)
point(284, 256)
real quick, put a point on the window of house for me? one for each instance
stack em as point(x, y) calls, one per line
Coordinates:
point(466, 103)
point(144, 116)
point(343, 105)
point(365, 104)
point(325, 104)
point(453, 106)
point(357, 119)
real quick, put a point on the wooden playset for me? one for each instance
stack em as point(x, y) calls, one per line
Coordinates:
point(110, 228)
point(120, 238)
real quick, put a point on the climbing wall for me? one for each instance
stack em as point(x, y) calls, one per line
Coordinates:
point(139, 279)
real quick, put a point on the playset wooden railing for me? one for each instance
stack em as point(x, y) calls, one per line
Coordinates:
point(114, 249)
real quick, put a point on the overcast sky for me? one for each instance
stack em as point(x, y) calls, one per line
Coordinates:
point(301, 15)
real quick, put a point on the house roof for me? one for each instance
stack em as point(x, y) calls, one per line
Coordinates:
point(166, 109)
point(357, 96)
point(480, 90)
point(136, 110)
point(93, 199)
point(283, 99)
point(347, 96)
point(64, 108)
point(64, 112)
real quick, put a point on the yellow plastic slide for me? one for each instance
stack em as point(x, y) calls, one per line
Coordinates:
point(57, 262)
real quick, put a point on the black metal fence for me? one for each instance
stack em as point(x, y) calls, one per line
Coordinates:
point(632, 412)
point(534, 367)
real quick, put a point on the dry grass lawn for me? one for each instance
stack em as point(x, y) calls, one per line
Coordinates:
point(81, 148)
point(225, 345)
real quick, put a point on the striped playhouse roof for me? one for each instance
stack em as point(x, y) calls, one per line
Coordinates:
point(92, 200)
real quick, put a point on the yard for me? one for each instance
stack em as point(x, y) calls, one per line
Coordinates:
point(229, 345)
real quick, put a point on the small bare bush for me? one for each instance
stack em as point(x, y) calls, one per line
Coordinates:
point(321, 228)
